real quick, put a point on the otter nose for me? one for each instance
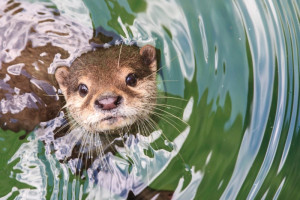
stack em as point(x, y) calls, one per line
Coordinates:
point(108, 102)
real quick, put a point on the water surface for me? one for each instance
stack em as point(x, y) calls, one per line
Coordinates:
point(235, 63)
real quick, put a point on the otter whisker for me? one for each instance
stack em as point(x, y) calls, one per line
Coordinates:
point(152, 123)
point(158, 81)
point(165, 97)
point(52, 95)
point(163, 105)
point(71, 139)
point(138, 126)
point(92, 148)
point(144, 127)
point(165, 119)
point(91, 142)
point(70, 122)
point(107, 138)
point(98, 146)
point(120, 55)
point(166, 138)
point(155, 124)
point(65, 106)
point(87, 148)
point(165, 116)
point(168, 113)
point(83, 146)
point(148, 128)
point(146, 121)
point(104, 160)
point(172, 115)
point(147, 131)
point(80, 155)
point(61, 128)
point(97, 139)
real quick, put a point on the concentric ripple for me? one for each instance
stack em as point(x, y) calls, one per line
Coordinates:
point(229, 69)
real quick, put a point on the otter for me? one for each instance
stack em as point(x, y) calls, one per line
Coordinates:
point(104, 90)
point(109, 89)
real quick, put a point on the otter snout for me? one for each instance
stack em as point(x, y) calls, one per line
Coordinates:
point(108, 102)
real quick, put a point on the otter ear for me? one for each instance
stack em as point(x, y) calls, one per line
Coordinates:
point(62, 76)
point(148, 54)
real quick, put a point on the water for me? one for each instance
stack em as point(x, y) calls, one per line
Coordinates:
point(235, 63)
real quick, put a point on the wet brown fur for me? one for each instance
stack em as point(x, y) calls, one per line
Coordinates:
point(47, 106)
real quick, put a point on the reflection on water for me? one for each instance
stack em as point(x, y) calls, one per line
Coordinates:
point(236, 64)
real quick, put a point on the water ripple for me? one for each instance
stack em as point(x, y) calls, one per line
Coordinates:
point(237, 64)
point(262, 54)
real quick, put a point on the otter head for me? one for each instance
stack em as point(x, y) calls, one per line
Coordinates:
point(109, 89)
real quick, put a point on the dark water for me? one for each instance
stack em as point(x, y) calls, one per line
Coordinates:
point(235, 63)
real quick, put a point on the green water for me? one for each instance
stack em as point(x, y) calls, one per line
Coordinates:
point(235, 63)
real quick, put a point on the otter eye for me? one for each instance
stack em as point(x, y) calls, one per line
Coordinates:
point(131, 80)
point(83, 90)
